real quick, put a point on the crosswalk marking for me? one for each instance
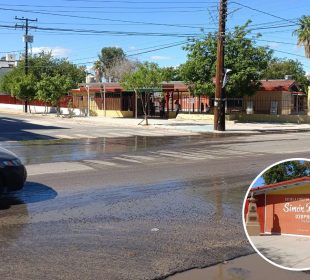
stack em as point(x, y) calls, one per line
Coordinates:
point(101, 162)
point(146, 158)
point(114, 134)
point(62, 136)
point(127, 159)
point(151, 157)
point(84, 136)
point(119, 134)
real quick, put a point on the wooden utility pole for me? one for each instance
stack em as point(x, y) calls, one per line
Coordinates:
point(27, 39)
point(219, 102)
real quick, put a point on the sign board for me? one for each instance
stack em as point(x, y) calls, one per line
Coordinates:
point(28, 38)
point(157, 94)
point(191, 100)
point(288, 213)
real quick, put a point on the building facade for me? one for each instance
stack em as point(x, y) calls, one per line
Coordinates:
point(283, 208)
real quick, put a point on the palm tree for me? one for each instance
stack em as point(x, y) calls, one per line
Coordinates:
point(303, 34)
point(98, 70)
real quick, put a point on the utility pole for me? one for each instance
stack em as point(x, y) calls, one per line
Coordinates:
point(27, 39)
point(219, 102)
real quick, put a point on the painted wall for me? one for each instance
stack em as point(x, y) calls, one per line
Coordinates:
point(270, 118)
point(41, 109)
point(286, 211)
point(114, 113)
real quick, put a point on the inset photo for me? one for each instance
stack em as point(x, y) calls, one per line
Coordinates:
point(276, 214)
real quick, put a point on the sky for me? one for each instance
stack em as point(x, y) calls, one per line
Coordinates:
point(146, 30)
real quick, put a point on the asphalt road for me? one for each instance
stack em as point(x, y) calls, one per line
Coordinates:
point(133, 208)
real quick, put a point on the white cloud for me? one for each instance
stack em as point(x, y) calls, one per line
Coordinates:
point(161, 57)
point(56, 51)
point(132, 48)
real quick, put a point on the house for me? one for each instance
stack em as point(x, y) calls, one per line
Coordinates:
point(110, 99)
point(282, 208)
point(277, 97)
point(7, 63)
point(105, 99)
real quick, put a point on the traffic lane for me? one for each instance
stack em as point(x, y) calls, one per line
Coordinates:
point(137, 232)
point(125, 216)
point(102, 176)
point(42, 151)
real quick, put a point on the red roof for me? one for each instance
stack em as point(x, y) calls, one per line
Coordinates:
point(116, 87)
point(289, 182)
point(276, 85)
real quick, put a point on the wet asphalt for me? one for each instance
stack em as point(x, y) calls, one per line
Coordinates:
point(143, 221)
point(130, 232)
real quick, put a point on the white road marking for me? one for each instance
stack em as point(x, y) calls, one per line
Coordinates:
point(146, 158)
point(56, 167)
point(62, 136)
point(103, 162)
point(84, 136)
point(113, 134)
point(127, 159)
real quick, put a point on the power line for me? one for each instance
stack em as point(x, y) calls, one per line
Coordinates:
point(143, 2)
point(270, 22)
point(294, 54)
point(94, 18)
point(194, 25)
point(272, 27)
point(110, 7)
point(263, 12)
point(110, 32)
point(157, 47)
point(123, 12)
point(278, 42)
point(12, 51)
point(130, 55)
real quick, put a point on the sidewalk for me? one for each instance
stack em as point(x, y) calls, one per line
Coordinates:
point(194, 126)
point(288, 251)
point(251, 267)
point(200, 126)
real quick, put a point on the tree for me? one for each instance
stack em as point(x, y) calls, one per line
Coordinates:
point(42, 67)
point(277, 69)
point(246, 60)
point(20, 85)
point(170, 74)
point(286, 171)
point(51, 88)
point(143, 81)
point(122, 68)
point(108, 58)
point(303, 34)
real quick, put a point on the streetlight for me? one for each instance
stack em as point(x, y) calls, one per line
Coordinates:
point(225, 80)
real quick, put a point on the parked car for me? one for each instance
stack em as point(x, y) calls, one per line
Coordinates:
point(13, 173)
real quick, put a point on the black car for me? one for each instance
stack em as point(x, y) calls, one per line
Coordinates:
point(13, 173)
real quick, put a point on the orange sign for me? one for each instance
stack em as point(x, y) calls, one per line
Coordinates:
point(288, 213)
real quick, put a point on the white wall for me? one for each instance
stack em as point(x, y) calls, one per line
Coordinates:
point(41, 109)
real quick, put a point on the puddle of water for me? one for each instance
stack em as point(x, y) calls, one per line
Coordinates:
point(43, 151)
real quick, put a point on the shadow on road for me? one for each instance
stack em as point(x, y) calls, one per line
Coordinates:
point(31, 193)
point(16, 129)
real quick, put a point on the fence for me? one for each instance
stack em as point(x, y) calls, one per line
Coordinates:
point(8, 99)
point(286, 105)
